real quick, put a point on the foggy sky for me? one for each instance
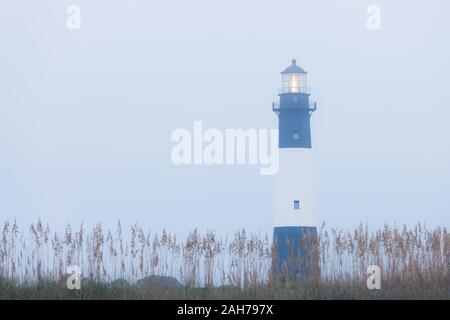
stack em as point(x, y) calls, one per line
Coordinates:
point(86, 116)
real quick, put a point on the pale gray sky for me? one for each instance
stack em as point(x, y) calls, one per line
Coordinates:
point(86, 116)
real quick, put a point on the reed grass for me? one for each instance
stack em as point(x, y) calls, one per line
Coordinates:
point(414, 262)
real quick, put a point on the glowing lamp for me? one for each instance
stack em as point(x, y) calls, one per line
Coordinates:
point(293, 79)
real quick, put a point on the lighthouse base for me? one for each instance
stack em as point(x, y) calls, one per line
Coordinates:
point(296, 252)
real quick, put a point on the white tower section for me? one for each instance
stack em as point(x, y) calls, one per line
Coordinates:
point(294, 200)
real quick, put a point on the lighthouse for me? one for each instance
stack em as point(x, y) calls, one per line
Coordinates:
point(295, 231)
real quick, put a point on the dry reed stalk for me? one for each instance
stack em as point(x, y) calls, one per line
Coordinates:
point(405, 255)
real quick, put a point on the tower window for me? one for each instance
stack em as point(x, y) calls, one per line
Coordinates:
point(296, 136)
point(296, 204)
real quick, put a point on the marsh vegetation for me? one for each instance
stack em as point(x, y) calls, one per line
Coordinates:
point(414, 263)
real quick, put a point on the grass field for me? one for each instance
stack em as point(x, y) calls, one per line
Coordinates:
point(293, 290)
point(414, 263)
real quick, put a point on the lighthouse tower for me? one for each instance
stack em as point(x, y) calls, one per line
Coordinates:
point(295, 232)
